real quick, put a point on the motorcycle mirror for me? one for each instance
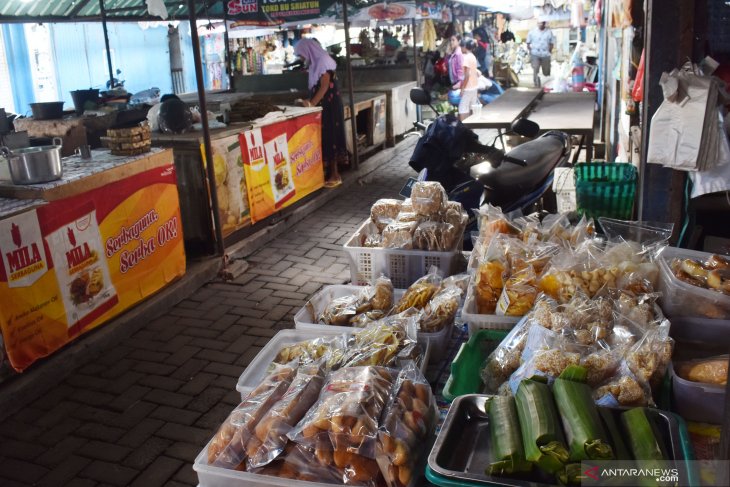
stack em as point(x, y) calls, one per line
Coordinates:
point(419, 96)
point(525, 127)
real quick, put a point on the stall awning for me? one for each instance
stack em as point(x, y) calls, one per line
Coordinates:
point(90, 10)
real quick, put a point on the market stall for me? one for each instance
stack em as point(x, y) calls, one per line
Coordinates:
point(80, 250)
point(370, 113)
point(400, 110)
point(566, 357)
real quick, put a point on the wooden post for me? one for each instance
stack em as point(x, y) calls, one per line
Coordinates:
point(210, 167)
point(350, 89)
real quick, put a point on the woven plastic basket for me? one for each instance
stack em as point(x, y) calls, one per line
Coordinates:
point(605, 189)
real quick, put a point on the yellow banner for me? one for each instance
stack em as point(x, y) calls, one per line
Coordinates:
point(71, 265)
point(282, 163)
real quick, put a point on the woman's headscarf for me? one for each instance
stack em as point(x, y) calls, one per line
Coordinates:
point(319, 61)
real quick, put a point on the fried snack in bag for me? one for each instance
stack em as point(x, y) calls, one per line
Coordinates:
point(492, 222)
point(408, 217)
point(384, 211)
point(491, 276)
point(624, 389)
point(505, 359)
point(381, 342)
point(441, 310)
point(399, 235)
point(345, 417)
point(649, 358)
point(420, 292)
point(269, 438)
point(340, 311)
point(331, 348)
point(228, 447)
point(519, 293)
point(373, 240)
point(435, 236)
point(409, 419)
point(454, 214)
point(428, 197)
point(382, 295)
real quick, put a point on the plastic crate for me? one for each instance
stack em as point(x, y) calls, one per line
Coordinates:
point(476, 321)
point(305, 320)
point(465, 375)
point(256, 370)
point(680, 299)
point(605, 189)
point(403, 267)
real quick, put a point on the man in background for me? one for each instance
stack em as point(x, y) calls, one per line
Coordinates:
point(540, 42)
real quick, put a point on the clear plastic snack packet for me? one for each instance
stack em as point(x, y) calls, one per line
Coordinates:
point(601, 364)
point(428, 198)
point(459, 280)
point(269, 439)
point(228, 449)
point(408, 420)
point(381, 342)
point(346, 414)
point(492, 221)
point(420, 292)
point(340, 311)
point(454, 214)
point(518, 294)
point(649, 358)
point(490, 279)
point(623, 389)
point(441, 310)
point(331, 348)
point(372, 240)
point(546, 354)
point(384, 212)
point(505, 359)
point(399, 235)
point(408, 217)
point(379, 296)
point(640, 309)
point(435, 236)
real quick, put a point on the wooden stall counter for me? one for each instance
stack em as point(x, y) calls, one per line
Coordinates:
point(78, 251)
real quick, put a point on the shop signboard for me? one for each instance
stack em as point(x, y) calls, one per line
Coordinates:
point(282, 163)
point(274, 12)
point(74, 263)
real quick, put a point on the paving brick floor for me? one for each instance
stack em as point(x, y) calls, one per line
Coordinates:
point(141, 413)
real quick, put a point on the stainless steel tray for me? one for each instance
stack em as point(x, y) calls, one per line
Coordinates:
point(462, 450)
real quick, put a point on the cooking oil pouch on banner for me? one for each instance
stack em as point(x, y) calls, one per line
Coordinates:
point(82, 271)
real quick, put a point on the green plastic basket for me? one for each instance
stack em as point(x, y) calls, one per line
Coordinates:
point(605, 189)
point(465, 375)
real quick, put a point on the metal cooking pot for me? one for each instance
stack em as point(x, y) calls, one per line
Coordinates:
point(32, 165)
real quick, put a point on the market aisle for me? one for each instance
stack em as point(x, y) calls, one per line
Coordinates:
point(141, 413)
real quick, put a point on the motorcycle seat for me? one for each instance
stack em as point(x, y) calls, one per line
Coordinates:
point(509, 180)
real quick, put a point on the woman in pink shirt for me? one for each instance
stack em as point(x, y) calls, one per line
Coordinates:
point(470, 82)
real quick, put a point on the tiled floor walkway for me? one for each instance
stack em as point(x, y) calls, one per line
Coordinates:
point(141, 413)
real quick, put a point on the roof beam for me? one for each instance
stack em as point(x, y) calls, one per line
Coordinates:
point(78, 7)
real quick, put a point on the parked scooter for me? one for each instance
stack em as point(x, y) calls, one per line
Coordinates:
point(475, 174)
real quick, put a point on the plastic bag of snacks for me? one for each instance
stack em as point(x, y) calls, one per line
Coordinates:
point(228, 449)
point(384, 211)
point(454, 214)
point(345, 417)
point(269, 438)
point(441, 309)
point(409, 419)
point(331, 348)
point(340, 311)
point(372, 303)
point(623, 389)
point(420, 292)
point(491, 275)
point(518, 294)
point(505, 359)
point(649, 358)
point(492, 221)
point(428, 198)
point(380, 343)
point(399, 235)
point(435, 236)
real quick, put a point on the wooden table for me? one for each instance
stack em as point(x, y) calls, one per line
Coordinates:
point(500, 114)
point(568, 112)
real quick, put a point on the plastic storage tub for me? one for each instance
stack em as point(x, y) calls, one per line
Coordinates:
point(256, 370)
point(305, 319)
point(695, 401)
point(403, 267)
point(681, 299)
point(465, 375)
point(476, 321)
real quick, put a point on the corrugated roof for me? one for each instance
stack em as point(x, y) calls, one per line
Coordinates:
point(80, 10)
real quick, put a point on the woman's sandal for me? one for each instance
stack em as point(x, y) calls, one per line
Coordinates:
point(333, 184)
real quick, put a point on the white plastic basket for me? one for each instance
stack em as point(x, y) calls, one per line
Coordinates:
point(256, 370)
point(403, 267)
point(304, 319)
point(476, 321)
